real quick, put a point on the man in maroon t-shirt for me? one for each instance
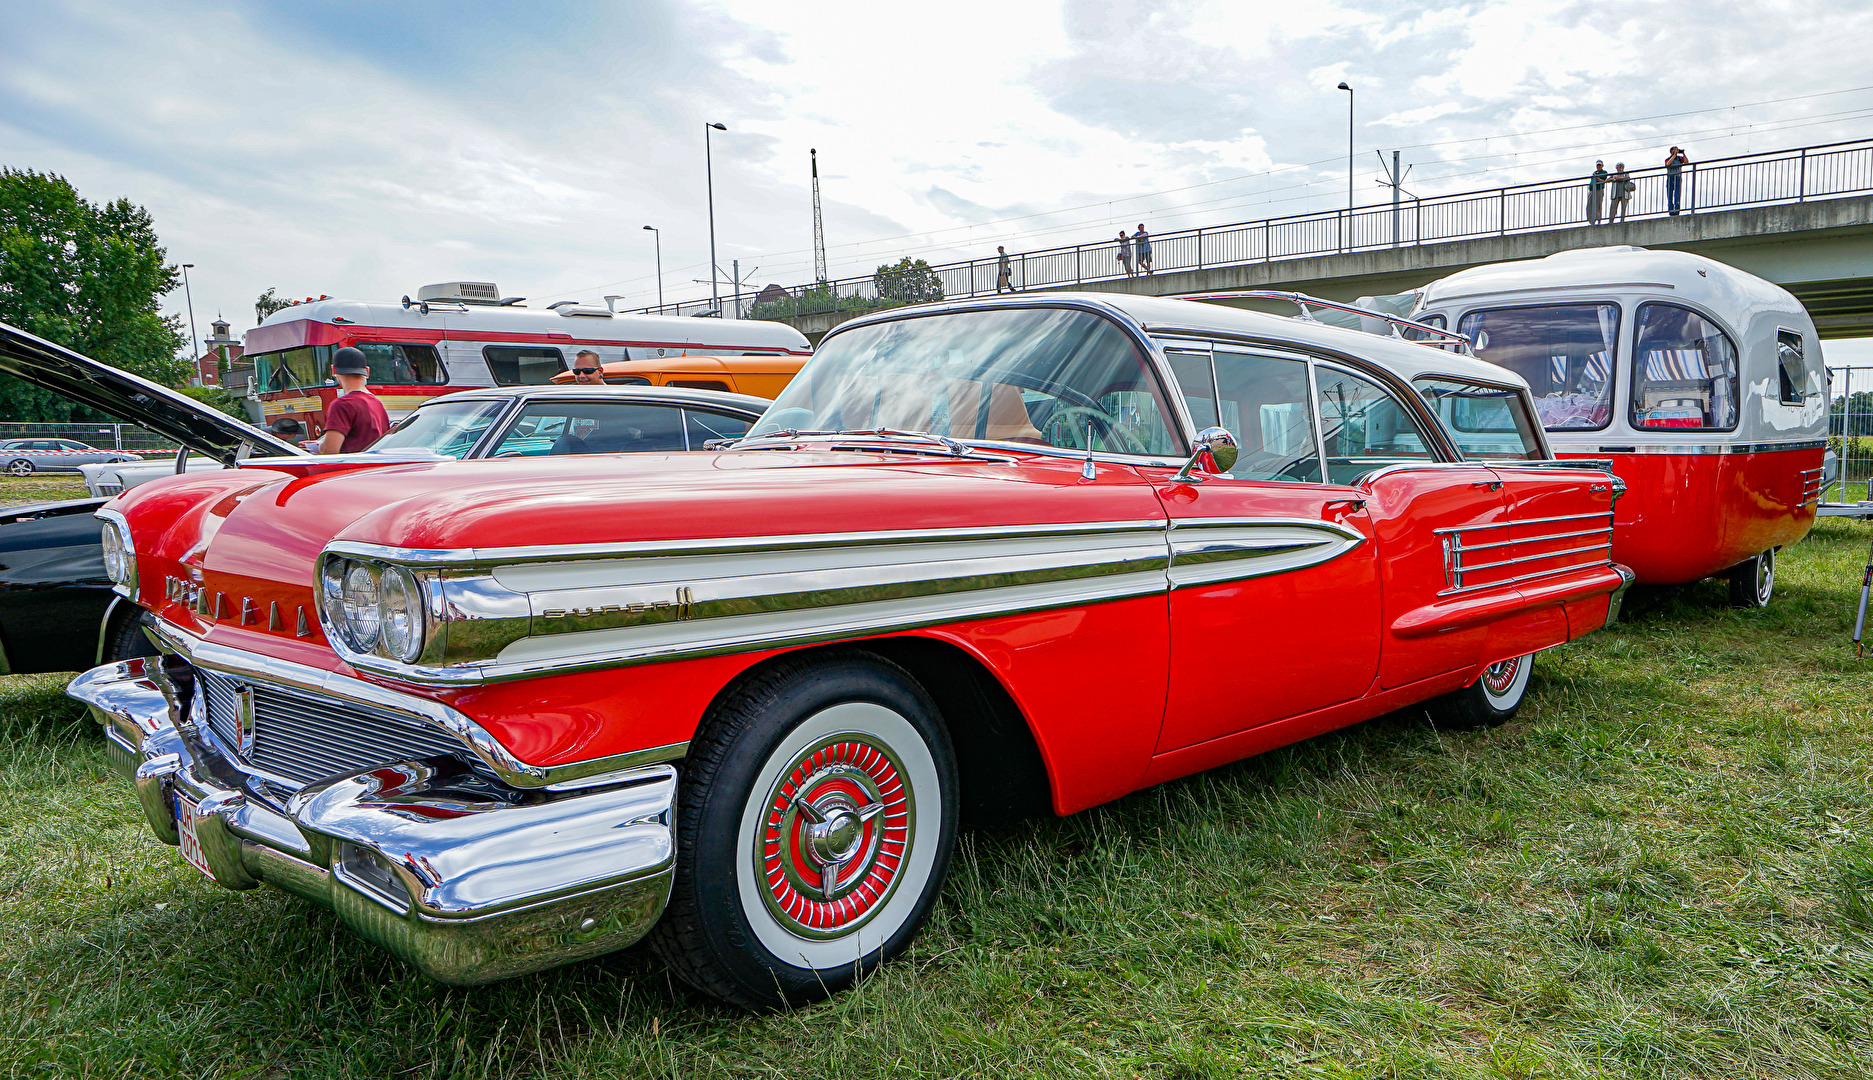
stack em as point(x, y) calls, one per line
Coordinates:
point(357, 419)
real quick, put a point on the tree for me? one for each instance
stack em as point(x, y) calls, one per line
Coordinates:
point(268, 303)
point(88, 276)
point(216, 398)
point(911, 281)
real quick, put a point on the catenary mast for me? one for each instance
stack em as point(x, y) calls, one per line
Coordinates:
point(819, 226)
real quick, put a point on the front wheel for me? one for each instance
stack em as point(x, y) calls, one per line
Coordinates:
point(1494, 698)
point(1752, 581)
point(20, 467)
point(814, 829)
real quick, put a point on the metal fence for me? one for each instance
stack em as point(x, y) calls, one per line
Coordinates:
point(106, 436)
point(1832, 170)
point(1850, 433)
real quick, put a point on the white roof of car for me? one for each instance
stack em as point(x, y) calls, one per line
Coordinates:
point(1169, 315)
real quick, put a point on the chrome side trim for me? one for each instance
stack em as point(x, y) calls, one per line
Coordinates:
point(498, 759)
point(1206, 551)
point(1457, 566)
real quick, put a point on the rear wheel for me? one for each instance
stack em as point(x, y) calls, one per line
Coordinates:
point(1752, 581)
point(1494, 698)
point(814, 828)
point(20, 467)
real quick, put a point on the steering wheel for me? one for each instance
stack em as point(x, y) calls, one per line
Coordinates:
point(1071, 419)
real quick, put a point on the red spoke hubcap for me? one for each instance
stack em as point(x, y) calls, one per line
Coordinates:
point(1499, 677)
point(835, 835)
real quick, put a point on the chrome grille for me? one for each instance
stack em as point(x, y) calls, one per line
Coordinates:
point(224, 708)
point(303, 738)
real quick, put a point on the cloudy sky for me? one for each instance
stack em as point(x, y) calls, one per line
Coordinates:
point(364, 149)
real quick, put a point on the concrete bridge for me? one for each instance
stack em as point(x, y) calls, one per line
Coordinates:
point(1820, 251)
point(1802, 218)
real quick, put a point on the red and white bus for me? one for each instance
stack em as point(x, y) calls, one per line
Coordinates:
point(461, 335)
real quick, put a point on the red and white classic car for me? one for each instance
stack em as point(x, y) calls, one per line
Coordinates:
point(500, 715)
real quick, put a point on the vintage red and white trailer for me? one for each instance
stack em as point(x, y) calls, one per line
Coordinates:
point(1026, 551)
point(1704, 386)
point(462, 335)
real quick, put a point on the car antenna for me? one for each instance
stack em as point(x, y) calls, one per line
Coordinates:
point(1089, 471)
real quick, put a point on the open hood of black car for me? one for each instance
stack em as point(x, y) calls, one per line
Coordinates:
point(134, 399)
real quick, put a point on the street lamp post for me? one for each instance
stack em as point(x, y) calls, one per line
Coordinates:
point(1346, 230)
point(715, 297)
point(194, 345)
point(658, 234)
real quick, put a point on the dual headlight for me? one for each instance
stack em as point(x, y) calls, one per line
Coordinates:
point(120, 557)
point(372, 607)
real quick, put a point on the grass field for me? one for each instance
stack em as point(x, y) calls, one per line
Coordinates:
point(1663, 868)
point(40, 487)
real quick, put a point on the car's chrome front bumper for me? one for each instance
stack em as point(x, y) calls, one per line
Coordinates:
point(467, 878)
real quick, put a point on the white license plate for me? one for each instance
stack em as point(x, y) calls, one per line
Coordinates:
point(185, 829)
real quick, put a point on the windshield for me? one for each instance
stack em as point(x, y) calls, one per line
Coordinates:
point(1484, 421)
point(449, 427)
point(1564, 351)
point(1045, 376)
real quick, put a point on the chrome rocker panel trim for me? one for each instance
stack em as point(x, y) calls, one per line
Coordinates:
point(466, 878)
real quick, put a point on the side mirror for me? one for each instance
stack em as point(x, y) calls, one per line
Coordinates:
point(1219, 444)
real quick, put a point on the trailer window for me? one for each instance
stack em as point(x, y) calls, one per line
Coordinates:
point(523, 365)
point(1484, 421)
point(293, 369)
point(1797, 384)
point(1684, 371)
point(1564, 351)
point(1412, 333)
point(397, 364)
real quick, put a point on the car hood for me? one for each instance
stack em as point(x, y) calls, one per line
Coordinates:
point(134, 399)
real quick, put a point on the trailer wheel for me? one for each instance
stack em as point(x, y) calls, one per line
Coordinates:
point(815, 820)
point(20, 467)
point(1752, 581)
point(1492, 699)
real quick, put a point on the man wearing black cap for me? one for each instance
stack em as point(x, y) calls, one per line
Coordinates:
point(357, 419)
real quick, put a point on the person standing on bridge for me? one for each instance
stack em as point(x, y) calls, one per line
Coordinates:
point(1125, 252)
point(1004, 271)
point(1596, 192)
point(1674, 180)
point(1141, 248)
point(1622, 193)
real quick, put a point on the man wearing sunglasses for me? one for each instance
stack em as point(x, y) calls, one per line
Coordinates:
point(585, 369)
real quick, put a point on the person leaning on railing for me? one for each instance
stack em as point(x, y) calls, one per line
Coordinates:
point(1622, 185)
point(1596, 192)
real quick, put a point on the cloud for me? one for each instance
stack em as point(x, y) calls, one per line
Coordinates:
point(365, 149)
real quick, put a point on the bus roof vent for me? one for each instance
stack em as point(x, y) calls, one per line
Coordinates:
point(461, 292)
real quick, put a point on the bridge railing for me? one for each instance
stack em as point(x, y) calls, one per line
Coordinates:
point(1831, 170)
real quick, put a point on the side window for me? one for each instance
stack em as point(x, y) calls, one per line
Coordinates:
point(581, 427)
point(1364, 426)
point(1484, 421)
point(1414, 334)
point(1684, 371)
point(397, 364)
point(627, 380)
point(703, 426)
point(698, 384)
point(1262, 401)
point(523, 365)
point(1793, 368)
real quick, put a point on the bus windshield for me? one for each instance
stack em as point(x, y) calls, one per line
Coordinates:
point(1046, 376)
point(1565, 351)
